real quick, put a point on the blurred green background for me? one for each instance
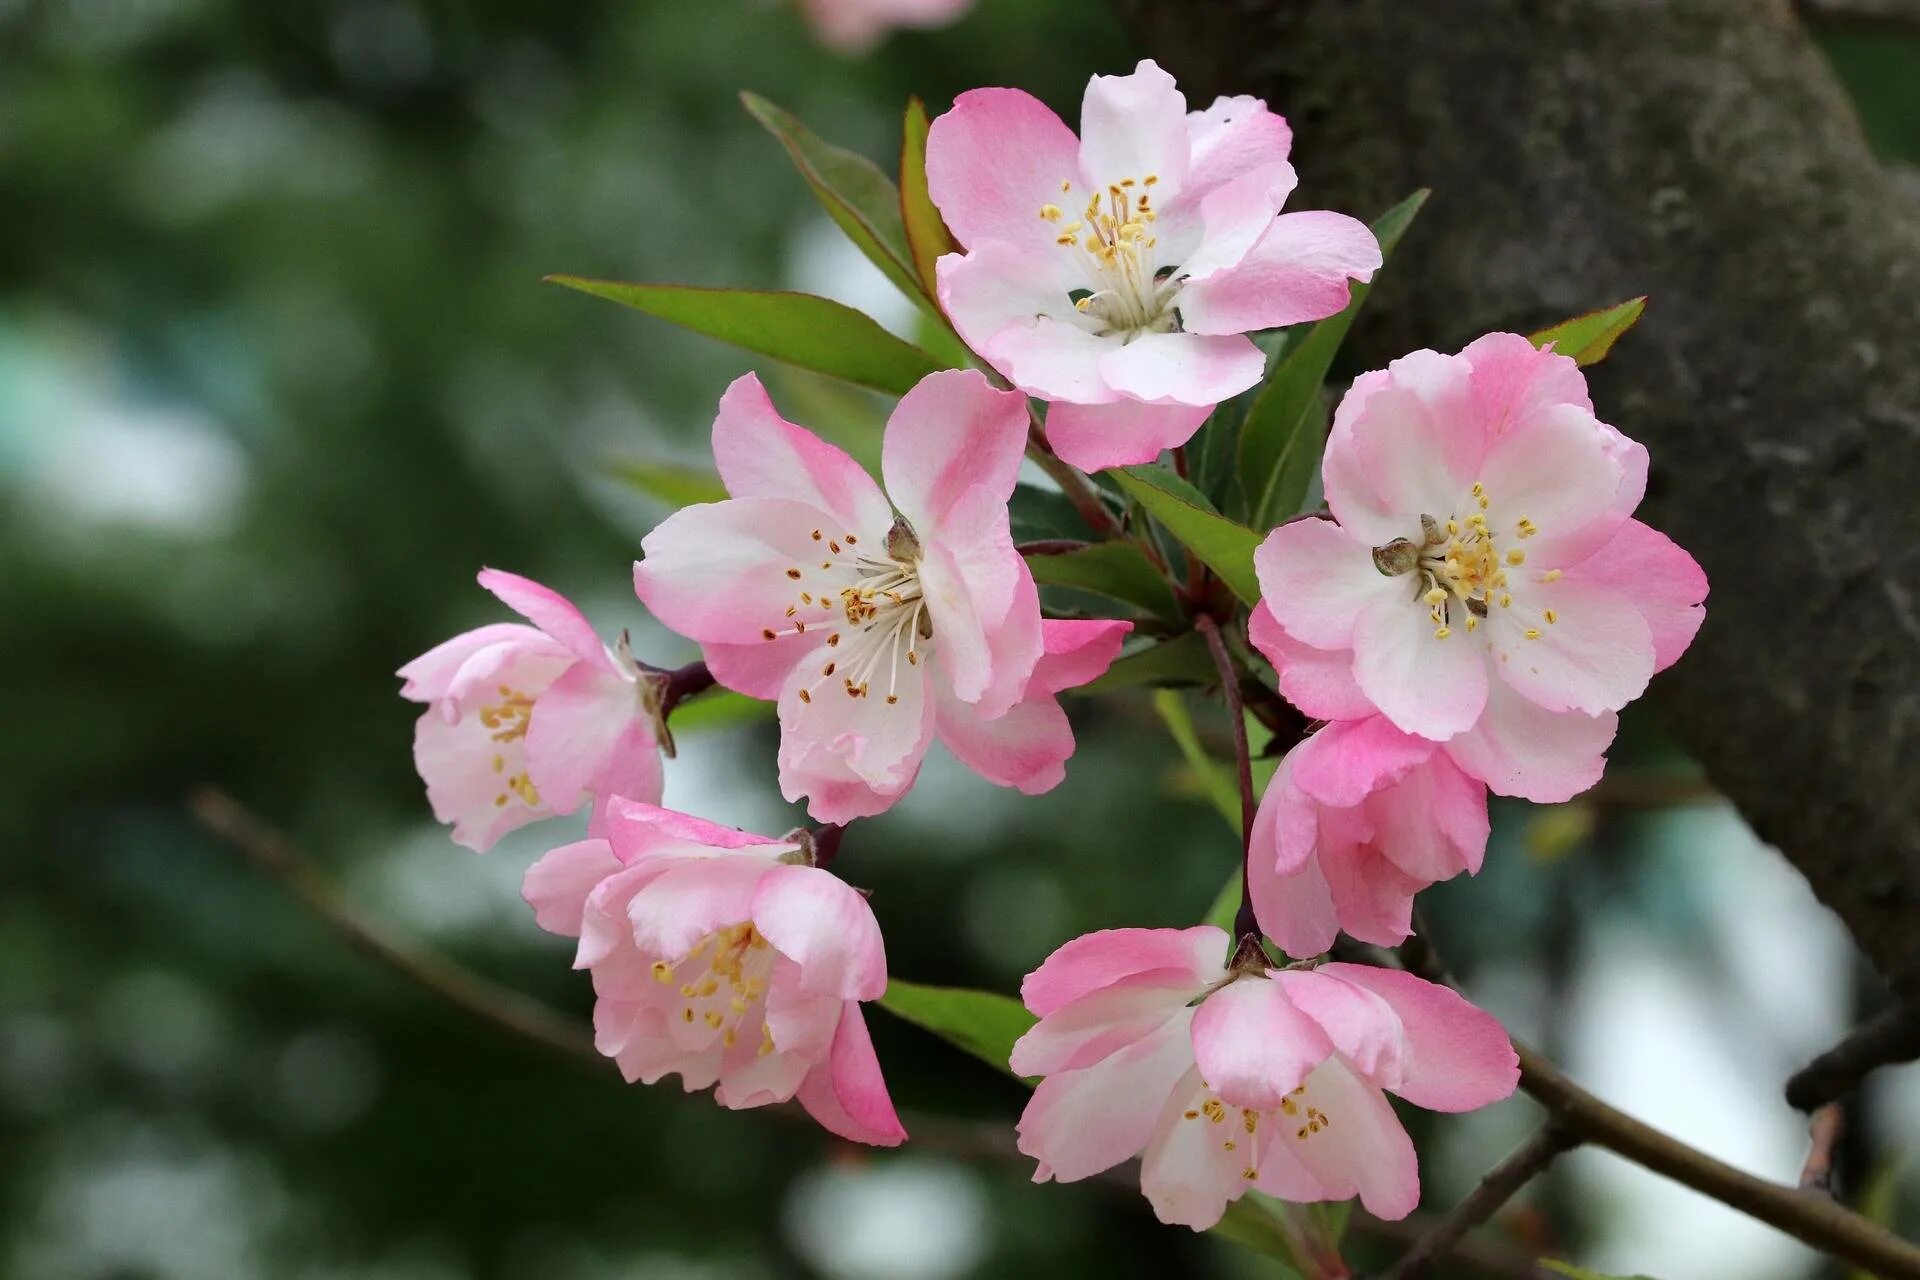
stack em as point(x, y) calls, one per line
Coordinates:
point(278, 374)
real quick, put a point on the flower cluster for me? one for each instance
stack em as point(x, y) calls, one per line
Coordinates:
point(1468, 616)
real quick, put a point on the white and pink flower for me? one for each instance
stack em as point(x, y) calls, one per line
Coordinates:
point(856, 26)
point(525, 722)
point(1228, 1078)
point(876, 632)
point(1117, 274)
point(1482, 582)
point(728, 959)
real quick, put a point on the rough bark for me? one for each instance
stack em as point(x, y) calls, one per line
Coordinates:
point(1699, 151)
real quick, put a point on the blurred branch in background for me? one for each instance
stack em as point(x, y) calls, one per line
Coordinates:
point(1502, 1183)
point(1891, 1036)
point(1892, 15)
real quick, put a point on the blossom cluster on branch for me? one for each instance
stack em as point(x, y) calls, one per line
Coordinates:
point(1466, 615)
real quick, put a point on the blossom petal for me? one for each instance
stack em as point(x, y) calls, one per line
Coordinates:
point(1427, 686)
point(1512, 380)
point(1348, 761)
point(1300, 269)
point(1521, 749)
point(1553, 470)
point(1431, 824)
point(1011, 304)
point(824, 925)
point(1457, 1057)
point(1231, 137)
point(576, 726)
point(1415, 447)
point(1362, 1149)
point(1291, 899)
point(556, 886)
point(1077, 651)
point(729, 571)
point(1095, 960)
point(1183, 368)
point(1190, 1172)
point(761, 455)
point(1317, 681)
point(1664, 584)
point(1595, 653)
point(550, 611)
point(994, 160)
point(691, 900)
point(951, 433)
point(1080, 1122)
point(428, 676)
point(1123, 433)
point(641, 830)
point(1253, 1047)
point(1086, 1030)
point(634, 772)
point(1027, 747)
point(1232, 219)
point(847, 1094)
point(1372, 898)
point(1361, 1024)
point(760, 667)
point(853, 756)
point(1134, 126)
point(1316, 580)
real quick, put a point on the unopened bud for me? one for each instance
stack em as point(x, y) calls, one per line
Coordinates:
point(1396, 558)
point(903, 546)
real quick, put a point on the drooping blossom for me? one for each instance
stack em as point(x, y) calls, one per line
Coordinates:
point(525, 722)
point(726, 958)
point(876, 631)
point(1117, 274)
point(1482, 566)
point(1224, 1078)
point(856, 26)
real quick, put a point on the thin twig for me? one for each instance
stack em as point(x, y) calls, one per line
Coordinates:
point(1244, 923)
point(1500, 1185)
point(504, 1008)
point(1824, 1131)
point(1890, 1036)
point(1896, 17)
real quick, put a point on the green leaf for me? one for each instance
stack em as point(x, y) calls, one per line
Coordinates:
point(1226, 904)
point(1255, 1222)
point(927, 234)
point(1182, 660)
point(1281, 439)
point(1881, 1198)
point(1588, 338)
point(798, 328)
point(860, 198)
point(1216, 780)
point(720, 709)
point(1581, 1273)
point(1226, 547)
point(1038, 515)
point(676, 486)
point(981, 1022)
point(1115, 569)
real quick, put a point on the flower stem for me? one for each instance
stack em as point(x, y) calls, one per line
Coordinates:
point(1244, 923)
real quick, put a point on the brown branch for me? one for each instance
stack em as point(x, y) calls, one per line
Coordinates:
point(1891, 1036)
point(1500, 1185)
point(1896, 17)
point(1244, 924)
point(505, 1009)
point(1824, 1131)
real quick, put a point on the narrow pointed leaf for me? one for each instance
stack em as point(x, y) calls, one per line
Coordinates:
point(1590, 337)
point(983, 1023)
point(1226, 547)
point(1281, 439)
point(1215, 778)
point(856, 194)
point(1180, 661)
point(1115, 569)
point(798, 328)
point(927, 234)
point(677, 486)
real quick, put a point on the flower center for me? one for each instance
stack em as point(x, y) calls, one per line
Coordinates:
point(1241, 1130)
point(506, 721)
point(722, 981)
point(1113, 246)
point(870, 608)
point(1461, 567)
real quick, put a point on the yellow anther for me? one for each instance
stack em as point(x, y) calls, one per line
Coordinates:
point(737, 1005)
point(1551, 617)
point(686, 1014)
point(1051, 212)
point(1484, 502)
point(1453, 527)
point(1479, 490)
point(730, 1038)
point(1191, 1115)
point(1472, 622)
point(1250, 1174)
point(662, 972)
point(1532, 633)
point(1506, 601)
point(1551, 575)
point(713, 1018)
point(1228, 1145)
point(1150, 179)
point(1516, 556)
point(1066, 186)
point(1441, 633)
point(1437, 595)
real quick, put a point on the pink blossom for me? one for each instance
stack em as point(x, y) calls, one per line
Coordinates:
point(876, 633)
point(1482, 567)
point(1224, 1079)
point(855, 26)
point(1116, 274)
point(525, 722)
point(725, 958)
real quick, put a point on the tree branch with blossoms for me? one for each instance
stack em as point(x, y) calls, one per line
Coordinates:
point(1461, 610)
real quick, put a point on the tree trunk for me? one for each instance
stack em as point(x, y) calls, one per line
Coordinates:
point(1701, 152)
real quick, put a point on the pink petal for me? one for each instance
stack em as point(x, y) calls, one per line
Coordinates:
point(640, 830)
point(1253, 1047)
point(1457, 1057)
point(853, 756)
point(1194, 1166)
point(1123, 433)
point(475, 771)
point(1231, 220)
point(1086, 1030)
point(1362, 1025)
point(1291, 899)
point(691, 900)
point(971, 578)
point(1521, 749)
point(1011, 304)
point(527, 665)
point(761, 455)
point(550, 611)
point(1427, 686)
point(1348, 761)
point(726, 571)
point(1231, 137)
point(1362, 1149)
point(429, 675)
point(1513, 380)
point(1553, 469)
point(1416, 448)
point(951, 433)
point(1299, 270)
point(1317, 681)
point(1431, 824)
point(1077, 651)
point(1372, 898)
point(1134, 126)
point(1595, 656)
point(576, 726)
point(1664, 583)
point(1316, 579)
point(634, 772)
point(1027, 747)
point(1096, 960)
point(994, 160)
point(760, 667)
point(1015, 647)
point(824, 925)
point(847, 1094)
point(556, 886)
point(1081, 1122)
point(1184, 368)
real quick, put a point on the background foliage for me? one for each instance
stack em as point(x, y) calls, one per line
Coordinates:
point(276, 376)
